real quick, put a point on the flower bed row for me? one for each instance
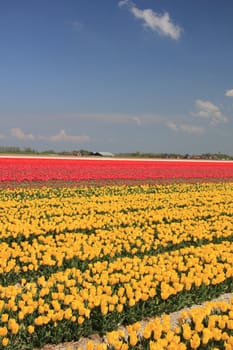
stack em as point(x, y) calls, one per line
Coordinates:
point(82, 260)
point(52, 228)
point(206, 327)
point(36, 169)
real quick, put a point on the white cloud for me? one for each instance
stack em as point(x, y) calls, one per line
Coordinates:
point(208, 110)
point(19, 134)
point(192, 129)
point(157, 22)
point(186, 128)
point(172, 126)
point(124, 2)
point(63, 136)
point(229, 93)
point(137, 120)
point(77, 25)
point(121, 118)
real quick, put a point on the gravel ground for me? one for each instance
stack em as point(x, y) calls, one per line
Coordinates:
point(97, 339)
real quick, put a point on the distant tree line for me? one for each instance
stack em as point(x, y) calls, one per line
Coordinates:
point(86, 153)
point(16, 150)
point(213, 156)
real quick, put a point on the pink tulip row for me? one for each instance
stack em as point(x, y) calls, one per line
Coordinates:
point(39, 169)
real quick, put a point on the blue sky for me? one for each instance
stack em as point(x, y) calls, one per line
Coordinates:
point(118, 76)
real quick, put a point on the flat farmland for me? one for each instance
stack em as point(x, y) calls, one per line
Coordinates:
point(115, 242)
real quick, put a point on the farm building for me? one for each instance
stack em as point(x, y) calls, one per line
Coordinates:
point(103, 154)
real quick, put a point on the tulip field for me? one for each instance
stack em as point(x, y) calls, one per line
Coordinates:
point(78, 170)
point(115, 242)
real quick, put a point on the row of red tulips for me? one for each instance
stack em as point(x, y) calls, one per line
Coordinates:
point(37, 169)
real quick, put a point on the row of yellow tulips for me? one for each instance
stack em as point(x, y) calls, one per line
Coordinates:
point(68, 210)
point(206, 327)
point(112, 286)
point(157, 220)
point(130, 240)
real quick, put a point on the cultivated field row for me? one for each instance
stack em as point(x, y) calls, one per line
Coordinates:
point(76, 261)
